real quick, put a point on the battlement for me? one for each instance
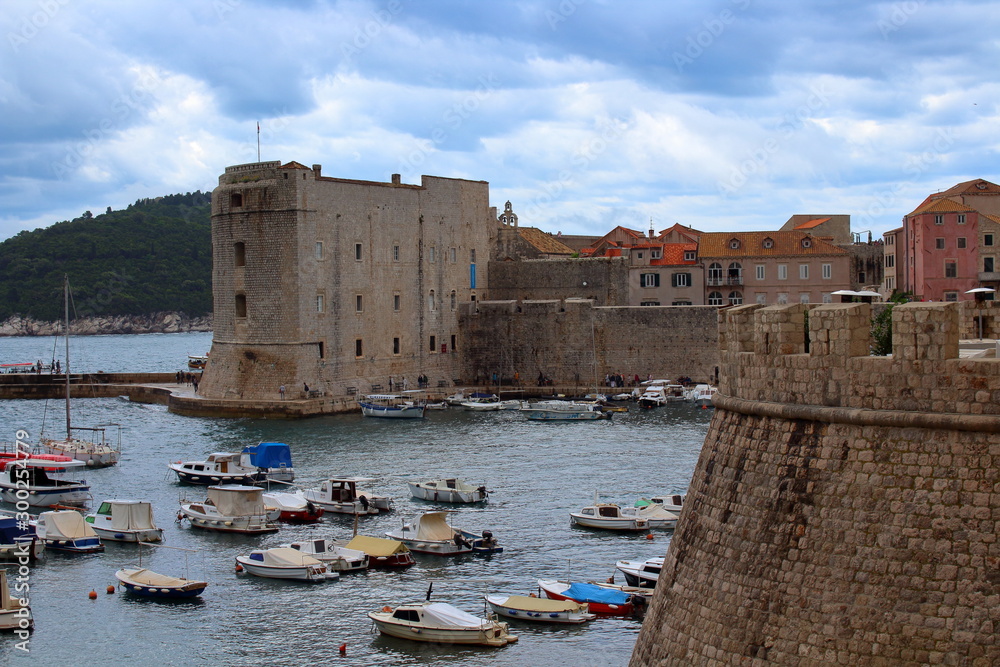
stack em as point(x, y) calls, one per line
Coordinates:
point(806, 354)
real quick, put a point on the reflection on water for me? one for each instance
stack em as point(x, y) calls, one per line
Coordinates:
point(536, 472)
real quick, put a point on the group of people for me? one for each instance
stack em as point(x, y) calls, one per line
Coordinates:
point(618, 380)
point(187, 378)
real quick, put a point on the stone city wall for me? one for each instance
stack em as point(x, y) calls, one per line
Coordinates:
point(562, 340)
point(844, 509)
point(601, 279)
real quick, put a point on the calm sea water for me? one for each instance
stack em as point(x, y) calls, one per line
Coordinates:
point(537, 473)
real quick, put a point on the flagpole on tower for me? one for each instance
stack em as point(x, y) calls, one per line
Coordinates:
point(258, 141)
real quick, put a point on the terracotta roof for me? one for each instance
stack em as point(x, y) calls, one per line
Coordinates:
point(751, 244)
point(941, 206)
point(545, 243)
point(673, 254)
point(689, 232)
point(810, 224)
point(970, 188)
point(295, 165)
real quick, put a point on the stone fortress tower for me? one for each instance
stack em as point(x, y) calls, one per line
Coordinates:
point(844, 509)
point(339, 284)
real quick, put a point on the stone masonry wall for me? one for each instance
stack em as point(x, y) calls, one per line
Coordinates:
point(601, 279)
point(844, 509)
point(563, 339)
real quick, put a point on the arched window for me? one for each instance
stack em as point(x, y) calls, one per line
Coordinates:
point(715, 299)
point(735, 298)
point(715, 273)
point(431, 301)
point(454, 299)
point(734, 275)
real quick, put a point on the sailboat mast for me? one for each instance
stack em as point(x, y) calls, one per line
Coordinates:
point(69, 431)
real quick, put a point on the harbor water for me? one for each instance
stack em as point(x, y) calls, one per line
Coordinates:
point(537, 473)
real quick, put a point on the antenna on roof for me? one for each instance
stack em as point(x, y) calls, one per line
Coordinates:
point(258, 141)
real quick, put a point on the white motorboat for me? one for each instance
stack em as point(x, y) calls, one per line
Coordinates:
point(15, 614)
point(643, 574)
point(673, 502)
point(230, 508)
point(538, 609)
point(382, 553)
point(337, 557)
point(654, 396)
point(285, 563)
point(341, 495)
point(125, 521)
point(701, 395)
point(483, 405)
point(273, 459)
point(431, 534)
point(390, 406)
point(293, 507)
point(442, 623)
point(31, 475)
point(218, 468)
point(564, 411)
point(449, 490)
point(655, 515)
point(65, 530)
point(457, 398)
point(610, 517)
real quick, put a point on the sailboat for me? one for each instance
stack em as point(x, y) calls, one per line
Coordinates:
point(96, 452)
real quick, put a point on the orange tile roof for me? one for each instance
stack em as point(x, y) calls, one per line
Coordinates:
point(673, 254)
point(751, 244)
point(810, 224)
point(545, 243)
point(970, 188)
point(941, 206)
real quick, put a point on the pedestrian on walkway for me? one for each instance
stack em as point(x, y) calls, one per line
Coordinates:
point(281, 392)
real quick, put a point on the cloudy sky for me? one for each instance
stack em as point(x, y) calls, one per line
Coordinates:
point(586, 114)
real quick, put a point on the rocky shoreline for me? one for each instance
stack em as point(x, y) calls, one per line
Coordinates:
point(169, 322)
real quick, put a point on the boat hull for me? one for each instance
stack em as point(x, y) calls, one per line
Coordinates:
point(215, 478)
point(95, 456)
point(392, 412)
point(309, 573)
point(594, 607)
point(23, 551)
point(77, 495)
point(191, 589)
point(623, 524)
point(145, 535)
point(535, 414)
point(512, 611)
point(445, 495)
point(492, 636)
point(255, 525)
point(80, 545)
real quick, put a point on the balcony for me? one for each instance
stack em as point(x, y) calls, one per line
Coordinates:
point(989, 276)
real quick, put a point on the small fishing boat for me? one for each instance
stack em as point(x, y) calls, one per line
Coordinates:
point(656, 516)
point(341, 495)
point(15, 614)
point(273, 459)
point(610, 517)
point(197, 362)
point(285, 563)
point(483, 405)
point(431, 534)
point(230, 508)
point(18, 475)
point(149, 584)
point(382, 553)
point(551, 411)
point(599, 600)
point(701, 395)
point(390, 406)
point(449, 490)
point(337, 557)
point(440, 622)
point(673, 502)
point(543, 610)
point(643, 574)
point(218, 468)
point(293, 507)
point(18, 541)
point(125, 521)
point(65, 530)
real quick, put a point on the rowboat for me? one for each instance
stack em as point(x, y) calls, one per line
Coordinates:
point(147, 583)
point(440, 622)
point(599, 600)
point(542, 610)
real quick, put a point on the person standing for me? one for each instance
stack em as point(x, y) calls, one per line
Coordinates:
point(281, 392)
point(406, 383)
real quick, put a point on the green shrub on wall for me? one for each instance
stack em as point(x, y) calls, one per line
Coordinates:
point(882, 325)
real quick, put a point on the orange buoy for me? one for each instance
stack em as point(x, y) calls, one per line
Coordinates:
point(343, 649)
point(111, 589)
point(92, 595)
point(387, 609)
point(649, 536)
point(239, 568)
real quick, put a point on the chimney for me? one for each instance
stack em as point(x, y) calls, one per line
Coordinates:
point(317, 169)
point(395, 179)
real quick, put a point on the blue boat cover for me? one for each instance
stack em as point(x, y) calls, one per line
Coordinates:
point(10, 530)
point(480, 394)
point(592, 593)
point(269, 455)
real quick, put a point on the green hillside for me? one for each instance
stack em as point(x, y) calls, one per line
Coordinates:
point(154, 256)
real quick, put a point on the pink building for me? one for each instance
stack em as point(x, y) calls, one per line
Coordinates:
point(937, 253)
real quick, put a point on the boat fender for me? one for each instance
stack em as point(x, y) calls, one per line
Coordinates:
point(180, 516)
